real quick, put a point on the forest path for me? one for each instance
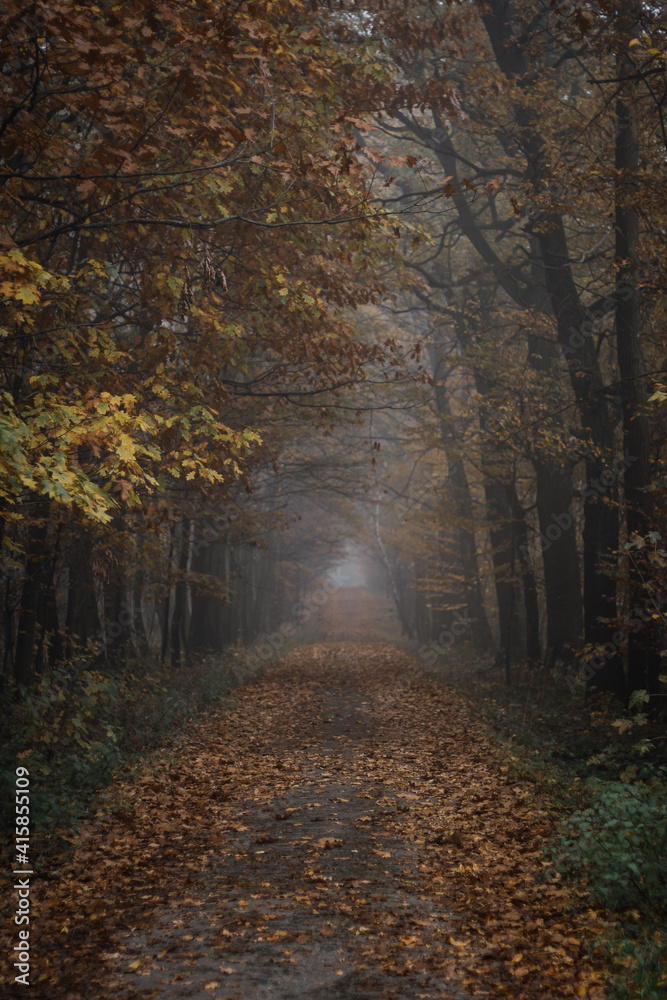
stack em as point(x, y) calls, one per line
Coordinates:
point(344, 833)
point(310, 892)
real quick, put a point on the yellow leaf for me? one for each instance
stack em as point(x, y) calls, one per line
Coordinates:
point(27, 294)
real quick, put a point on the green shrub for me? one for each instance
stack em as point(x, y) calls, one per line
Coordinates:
point(619, 846)
point(638, 954)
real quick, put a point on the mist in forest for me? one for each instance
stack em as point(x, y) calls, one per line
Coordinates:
point(333, 362)
point(408, 332)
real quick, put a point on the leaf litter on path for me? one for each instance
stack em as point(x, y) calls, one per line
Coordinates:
point(346, 832)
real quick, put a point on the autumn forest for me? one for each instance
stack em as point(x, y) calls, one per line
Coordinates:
point(333, 489)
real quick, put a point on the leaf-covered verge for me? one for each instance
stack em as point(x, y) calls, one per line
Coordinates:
point(605, 779)
point(74, 732)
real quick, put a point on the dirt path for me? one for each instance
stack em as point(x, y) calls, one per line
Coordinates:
point(311, 887)
point(345, 833)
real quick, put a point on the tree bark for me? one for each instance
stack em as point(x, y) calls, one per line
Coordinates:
point(206, 608)
point(82, 620)
point(574, 324)
point(528, 583)
point(463, 507)
point(32, 593)
point(178, 644)
point(560, 559)
point(166, 600)
point(501, 533)
point(643, 660)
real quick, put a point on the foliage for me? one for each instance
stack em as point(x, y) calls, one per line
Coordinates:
point(619, 846)
point(185, 220)
point(73, 731)
point(167, 195)
point(638, 954)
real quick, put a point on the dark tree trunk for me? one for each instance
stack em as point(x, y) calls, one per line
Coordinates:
point(204, 605)
point(138, 625)
point(52, 625)
point(482, 636)
point(33, 593)
point(178, 618)
point(574, 326)
point(117, 620)
point(501, 533)
point(463, 509)
point(166, 600)
point(502, 511)
point(554, 497)
point(529, 586)
point(226, 624)
point(560, 559)
point(643, 659)
point(51, 649)
point(82, 621)
point(210, 626)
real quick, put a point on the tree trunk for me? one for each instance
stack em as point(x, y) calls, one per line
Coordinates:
point(529, 586)
point(560, 559)
point(501, 533)
point(643, 660)
point(32, 593)
point(574, 326)
point(116, 624)
point(82, 621)
point(396, 590)
point(205, 607)
point(178, 618)
point(166, 600)
point(138, 625)
point(463, 507)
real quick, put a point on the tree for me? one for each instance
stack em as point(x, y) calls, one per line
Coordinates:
point(170, 186)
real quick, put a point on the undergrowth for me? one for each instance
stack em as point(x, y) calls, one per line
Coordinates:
point(604, 773)
point(74, 730)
